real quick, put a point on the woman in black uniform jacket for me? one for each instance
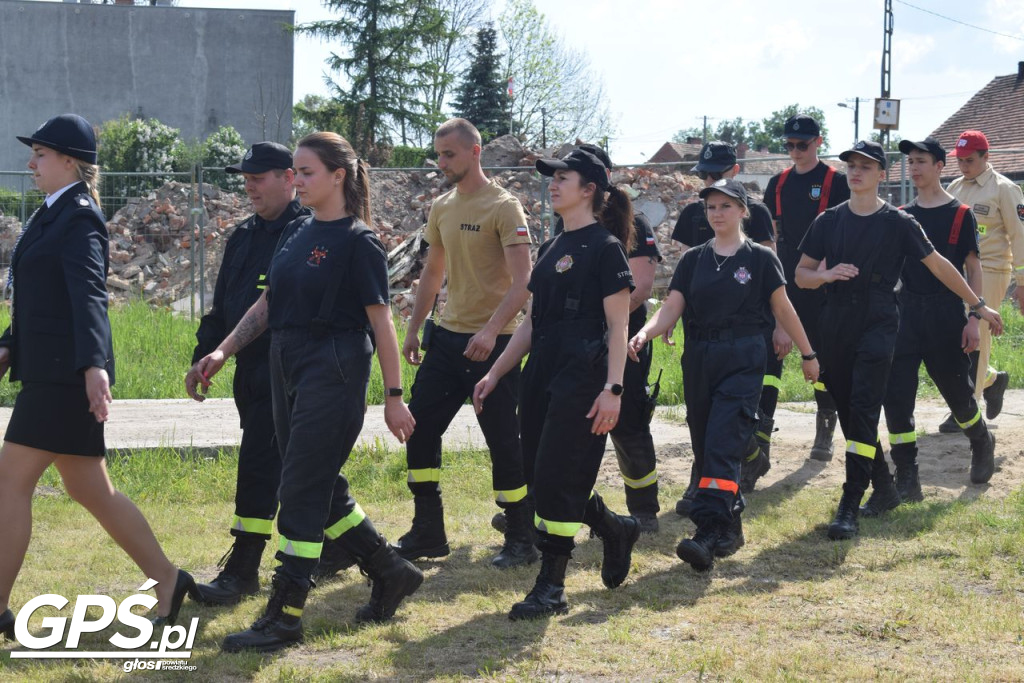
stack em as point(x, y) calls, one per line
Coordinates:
point(575, 333)
point(59, 346)
point(327, 286)
point(727, 291)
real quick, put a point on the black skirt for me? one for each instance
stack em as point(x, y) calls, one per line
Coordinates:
point(55, 418)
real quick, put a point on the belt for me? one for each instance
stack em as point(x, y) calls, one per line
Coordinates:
point(724, 333)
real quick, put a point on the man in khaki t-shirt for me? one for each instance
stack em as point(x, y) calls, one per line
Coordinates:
point(478, 236)
point(998, 204)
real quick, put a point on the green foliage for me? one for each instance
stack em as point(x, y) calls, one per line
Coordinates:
point(11, 202)
point(766, 133)
point(138, 145)
point(314, 113)
point(383, 65)
point(482, 96)
point(223, 148)
point(408, 157)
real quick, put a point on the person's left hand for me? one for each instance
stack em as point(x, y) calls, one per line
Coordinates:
point(605, 412)
point(781, 342)
point(970, 339)
point(398, 419)
point(97, 390)
point(994, 320)
point(480, 346)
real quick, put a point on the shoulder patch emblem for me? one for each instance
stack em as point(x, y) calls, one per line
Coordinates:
point(742, 275)
point(815, 192)
point(521, 231)
point(563, 264)
point(83, 202)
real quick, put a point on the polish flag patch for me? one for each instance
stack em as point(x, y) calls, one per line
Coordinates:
point(521, 231)
point(650, 240)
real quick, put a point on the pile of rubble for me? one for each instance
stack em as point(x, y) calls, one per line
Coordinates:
point(156, 248)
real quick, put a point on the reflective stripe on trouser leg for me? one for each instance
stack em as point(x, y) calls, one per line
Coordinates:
point(304, 549)
point(564, 529)
point(776, 382)
point(972, 421)
point(350, 521)
point(866, 450)
point(818, 386)
point(250, 525)
point(431, 474)
point(719, 484)
point(513, 496)
point(894, 439)
point(642, 482)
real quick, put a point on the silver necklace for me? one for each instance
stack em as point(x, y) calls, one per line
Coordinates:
point(718, 264)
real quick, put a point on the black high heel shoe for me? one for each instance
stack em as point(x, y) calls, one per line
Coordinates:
point(184, 584)
point(7, 624)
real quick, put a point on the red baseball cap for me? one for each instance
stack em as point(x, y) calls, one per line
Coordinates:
point(970, 141)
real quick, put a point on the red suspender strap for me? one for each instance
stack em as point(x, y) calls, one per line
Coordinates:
point(826, 189)
point(778, 191)
point(958, 221)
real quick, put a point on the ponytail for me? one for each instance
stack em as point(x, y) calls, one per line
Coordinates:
point(615, 212)
point(357, 192)
point(90, 175)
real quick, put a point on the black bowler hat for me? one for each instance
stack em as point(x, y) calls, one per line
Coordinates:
point(727, 186)
point(263, 157)
point(68, 134)
point(929, 144)
point(802, 127)
point(866, 148)
point(601, 155)
point(715, 157)
point(584, 163)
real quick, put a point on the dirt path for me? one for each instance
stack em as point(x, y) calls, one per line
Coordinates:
point(944, 458)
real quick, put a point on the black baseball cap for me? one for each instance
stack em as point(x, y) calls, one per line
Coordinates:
point(727, 186)
point(68, 134)
point(866, 148)
point(802, 127)
point(929, 144)
point(263, 157)
point(598, 152)
point(581, 161)
point(716, 156)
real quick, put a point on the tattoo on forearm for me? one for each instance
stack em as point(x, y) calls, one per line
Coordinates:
point(250, 327)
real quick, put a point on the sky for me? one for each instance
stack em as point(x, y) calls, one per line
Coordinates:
point(666, 64)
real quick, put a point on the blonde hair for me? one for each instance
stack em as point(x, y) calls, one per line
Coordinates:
point(90, 175)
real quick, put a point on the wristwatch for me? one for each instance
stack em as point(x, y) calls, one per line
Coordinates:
point(974, 314)
point(810, 356)
point(615, 389)
point(980, 304)
point(394, 391)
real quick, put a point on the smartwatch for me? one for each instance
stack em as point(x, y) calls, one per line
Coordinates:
point(394, 391)
point(979, 305)
point(810, 356)
point(615, 389)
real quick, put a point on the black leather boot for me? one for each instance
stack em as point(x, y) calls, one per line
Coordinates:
point(240, 574)
point(281, 623)
point(844, 525)
point(618, 534)
point(994, 393)
point(7, 624)
point(426, 538)
point(884, 497)
point(548, 595)
point(520, 537)
point(825, 429)
point(983, 457)
point(683, 504)
point(949, 425)
point(643, 506)
point(334, 558)
point(731, 538)
point(699, 551)
point(908, 485)
point(392, 579)
point(754, 466)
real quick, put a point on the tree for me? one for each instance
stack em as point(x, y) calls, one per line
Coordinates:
point(315, 112)
point(482, 97)
point(767, 134)
point(556, 95)
point(449, 53)
point(383, 65)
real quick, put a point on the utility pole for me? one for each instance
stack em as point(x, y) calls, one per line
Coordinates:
point(887, 26)
point(543, 128)
point(856, 116)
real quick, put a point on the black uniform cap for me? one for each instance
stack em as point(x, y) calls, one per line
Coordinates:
point(929, 144)
point(263, 157)
point(716, 156)
point(866, 148)
point(727, 186)
point(584, 163)
point(601, 155)
point(802, 127)
point(68, 134)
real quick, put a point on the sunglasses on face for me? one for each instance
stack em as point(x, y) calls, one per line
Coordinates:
point(714, 175)
point(802, 146)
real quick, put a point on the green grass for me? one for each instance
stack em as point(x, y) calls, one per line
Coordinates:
point(930, 591)
point(153, 348)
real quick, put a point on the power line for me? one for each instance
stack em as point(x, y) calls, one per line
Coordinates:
point(957, 21)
